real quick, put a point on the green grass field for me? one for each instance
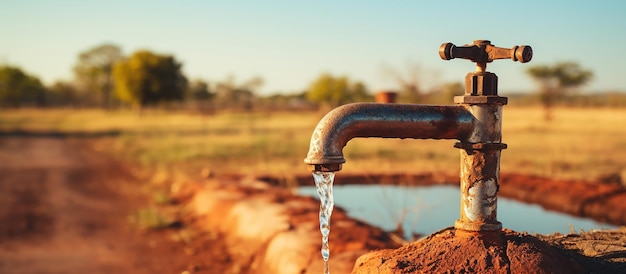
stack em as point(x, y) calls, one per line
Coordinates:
point(577, 144)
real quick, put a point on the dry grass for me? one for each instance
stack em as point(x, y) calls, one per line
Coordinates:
point(578, 144)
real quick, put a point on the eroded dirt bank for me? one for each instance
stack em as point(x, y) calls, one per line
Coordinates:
point(271, 230)
point(277, 232)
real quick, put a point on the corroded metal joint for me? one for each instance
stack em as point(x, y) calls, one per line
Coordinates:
point(475, 100)
point(481, 83)
point(325, 167)
point(477, 227)
point(480, 146)
point(481, 87)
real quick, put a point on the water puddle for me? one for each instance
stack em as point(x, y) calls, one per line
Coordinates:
point(324, 189)
point(426, 209)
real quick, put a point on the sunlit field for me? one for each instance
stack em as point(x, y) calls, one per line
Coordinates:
point(584, 143)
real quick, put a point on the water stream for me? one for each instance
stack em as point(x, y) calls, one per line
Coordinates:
point(324, 187)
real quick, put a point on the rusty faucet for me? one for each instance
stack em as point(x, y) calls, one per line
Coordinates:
point(476, 122)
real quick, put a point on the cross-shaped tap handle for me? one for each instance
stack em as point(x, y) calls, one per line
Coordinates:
point(483, 52)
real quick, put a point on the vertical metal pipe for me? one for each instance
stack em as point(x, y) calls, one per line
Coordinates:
point(480, 181)
point(480, 170)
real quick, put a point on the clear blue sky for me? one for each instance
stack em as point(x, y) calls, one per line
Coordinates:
point(289, 43)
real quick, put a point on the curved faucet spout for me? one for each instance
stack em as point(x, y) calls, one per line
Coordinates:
point(386, 121)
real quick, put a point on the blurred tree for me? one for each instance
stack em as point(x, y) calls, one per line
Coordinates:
point(18, 88)
point(557, 80)
point(94, 70)
point(334, 91)
point(147, 78)
point(410, 80)
point(359, 92)
point(230, 94)
point(444, 94)
point(286, 101)
point(62, 94)
point(199, 90)
point(200, 96)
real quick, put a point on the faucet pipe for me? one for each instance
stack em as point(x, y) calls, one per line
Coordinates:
point(480, 169)
point(386, 121)
point(476, 122)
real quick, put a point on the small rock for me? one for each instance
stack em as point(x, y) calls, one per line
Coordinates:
point(206, 173)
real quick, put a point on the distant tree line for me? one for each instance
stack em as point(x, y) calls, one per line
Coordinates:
point(17, 88)
point(604, 99)
point(105, 77)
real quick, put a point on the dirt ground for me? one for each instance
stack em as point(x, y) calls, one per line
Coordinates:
point(450, 251)
point(65, 209)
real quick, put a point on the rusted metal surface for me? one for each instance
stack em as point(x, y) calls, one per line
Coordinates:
point(482, 51)
point(480, 153)
point(481, 83)
point(480, 169)
point(480, 181)
point(488, 123)
point(476, 122)
point(386, 121)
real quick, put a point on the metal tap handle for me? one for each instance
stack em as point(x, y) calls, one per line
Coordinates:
point(482, 52)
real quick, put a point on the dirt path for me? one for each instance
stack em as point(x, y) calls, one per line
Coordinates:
point(64, 209)
point(53, 214)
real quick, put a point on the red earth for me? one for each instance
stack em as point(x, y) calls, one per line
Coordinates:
point(65, 209)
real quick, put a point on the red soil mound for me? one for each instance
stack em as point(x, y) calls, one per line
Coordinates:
point(450, 251)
